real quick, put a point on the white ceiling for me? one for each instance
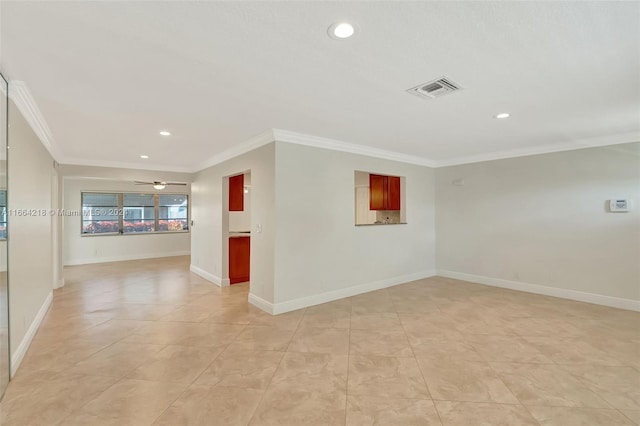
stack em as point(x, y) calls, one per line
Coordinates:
point(107, 76)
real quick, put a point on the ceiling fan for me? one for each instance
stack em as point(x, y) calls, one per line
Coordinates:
point(160, 184)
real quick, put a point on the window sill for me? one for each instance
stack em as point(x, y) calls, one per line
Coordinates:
point(381, 224)
point(111, 234)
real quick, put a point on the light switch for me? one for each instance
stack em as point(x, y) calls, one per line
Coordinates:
point(259, 228)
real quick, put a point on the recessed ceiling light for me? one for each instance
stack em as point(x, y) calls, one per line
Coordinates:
point(341, 30)
point(165, 133)
point(144, 157)
point(503, 115)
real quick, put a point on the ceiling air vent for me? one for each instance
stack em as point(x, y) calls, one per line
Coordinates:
point(435, 88)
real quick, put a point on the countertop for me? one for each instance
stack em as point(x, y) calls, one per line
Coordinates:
point(239, 234)
point(381, 224)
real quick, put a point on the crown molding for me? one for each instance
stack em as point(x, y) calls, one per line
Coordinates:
point(21, 96)
point(280, 135)
point(337, 145)
point(544, 149)
point(123, 165)
point(287, 136)
point(257, 141)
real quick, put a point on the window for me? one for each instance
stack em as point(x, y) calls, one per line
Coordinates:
point(133, 213)
point(100, 213)
point(138, 213)
point(172, 213)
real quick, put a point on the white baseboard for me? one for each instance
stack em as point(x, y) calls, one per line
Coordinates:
point(92, 260)
point(261, 303)
point(208, 276)
point(58, 284)
point(303, 302)
point(21, 350)
point(598, 299)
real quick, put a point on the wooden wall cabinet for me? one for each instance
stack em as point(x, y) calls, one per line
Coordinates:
point(384, 192)
point(239, 259)
point(236, 193)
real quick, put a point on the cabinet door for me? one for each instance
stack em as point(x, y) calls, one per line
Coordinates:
point(394, 193)
point(377, 192)
point(239, 260)
point(236, 193)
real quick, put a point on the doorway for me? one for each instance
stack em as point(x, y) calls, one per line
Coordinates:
point(238, 235)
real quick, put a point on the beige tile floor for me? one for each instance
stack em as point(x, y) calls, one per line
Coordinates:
point(148, 343)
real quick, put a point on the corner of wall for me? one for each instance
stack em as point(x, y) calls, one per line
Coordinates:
point(303, 302)
point(18, 355)
point(208, 276)
point(260, 303)
point(579, 296)
point(21, 96)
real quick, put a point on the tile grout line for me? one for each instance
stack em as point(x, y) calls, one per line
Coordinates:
point(201, 373)
point(284, 353)
point(499, 376)
point(586, 384)
point(426, 384)
point(346, 389)
point(79, 409)
point(619, 410)
point(119, 379)
point(126, 376)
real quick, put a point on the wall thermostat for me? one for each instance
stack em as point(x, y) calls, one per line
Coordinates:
point(619, 205)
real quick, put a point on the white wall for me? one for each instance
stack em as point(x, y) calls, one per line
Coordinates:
point(30, 237)
point(209, 242)
point(57, 223)
point(320, 253)
point(79, 249)
point(534, 223)
point(542, 220)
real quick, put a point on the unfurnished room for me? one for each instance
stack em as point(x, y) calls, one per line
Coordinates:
point(322, 213)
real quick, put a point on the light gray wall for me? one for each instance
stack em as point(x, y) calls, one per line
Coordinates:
point(318, 247)
point(79, 249)
point(58, 227)
point(542, 220)
point(209, 241)
point(30, 237)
